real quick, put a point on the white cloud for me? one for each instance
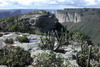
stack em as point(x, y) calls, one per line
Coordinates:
point(2, 4)
point(91, 2)
point(29, 2)
point(54, 3)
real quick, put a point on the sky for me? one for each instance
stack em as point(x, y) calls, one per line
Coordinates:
point(48, 4)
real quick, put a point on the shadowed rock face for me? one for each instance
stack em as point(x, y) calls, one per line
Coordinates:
point(46, 22)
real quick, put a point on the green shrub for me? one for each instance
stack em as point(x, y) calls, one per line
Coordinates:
point(22, 39)
point(11, 19)
point(14, 57)
point(39, 33)
point(1, 35)
point(47, 60)
point(43, 46)
point(21, 27)
point(9, 41)
point(94, 57)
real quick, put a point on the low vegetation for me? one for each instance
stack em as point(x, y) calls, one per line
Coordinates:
point(14, 57)
point(90, 28)
point(79, 37)
point(20, 27)
point(9, 41)
point(48, 42)
point(22, 39)
point(9, 24)
point(47, 60)
point(89, 57)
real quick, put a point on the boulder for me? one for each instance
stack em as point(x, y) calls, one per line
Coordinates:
point(46, 22)
point(2, 44)
point(38, 52)
point(66, 56)
point(73, 63)
point(3, 66)
point(28, 46)
point(30, 66)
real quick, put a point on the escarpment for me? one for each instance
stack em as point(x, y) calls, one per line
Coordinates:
point(68, 17)
point(78, 15)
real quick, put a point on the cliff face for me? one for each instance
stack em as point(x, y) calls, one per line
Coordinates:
point(88, 21)
point(68, 17)
point(78, 15)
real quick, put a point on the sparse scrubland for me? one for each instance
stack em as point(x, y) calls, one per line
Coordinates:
point(51, 45)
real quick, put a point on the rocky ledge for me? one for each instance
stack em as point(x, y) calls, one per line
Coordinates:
point(35, 49)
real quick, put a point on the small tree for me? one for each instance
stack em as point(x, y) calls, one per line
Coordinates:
point(48, 42)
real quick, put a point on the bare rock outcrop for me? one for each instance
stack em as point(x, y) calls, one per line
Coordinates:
point(43, 20)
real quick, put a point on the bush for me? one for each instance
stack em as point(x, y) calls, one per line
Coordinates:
point(11, 19)
point(22, 39)
point(6, 33)
point(14, 57)
point(1, 35)
point(47, 60)
point(82, 57)
point(44, 46)
point(9, 41)
point(21, 27)
point(39, 33)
